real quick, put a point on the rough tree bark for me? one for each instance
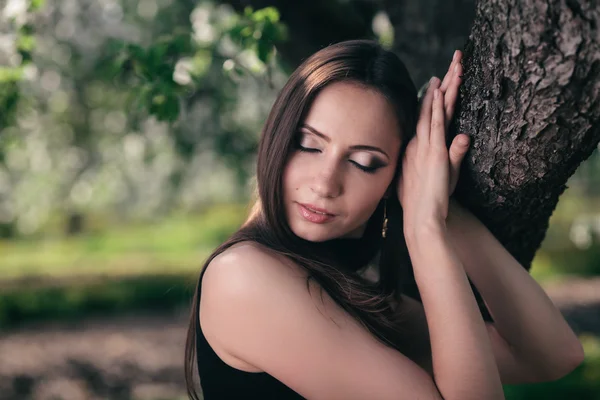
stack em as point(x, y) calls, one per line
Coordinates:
point(532, 106)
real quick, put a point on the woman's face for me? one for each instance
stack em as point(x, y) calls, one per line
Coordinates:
point(343, 162)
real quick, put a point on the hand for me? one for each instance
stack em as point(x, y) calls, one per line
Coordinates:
point(460, 143)
point(429, 170)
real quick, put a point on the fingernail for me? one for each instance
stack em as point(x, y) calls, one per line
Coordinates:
point(456, 68)
point(455, 54)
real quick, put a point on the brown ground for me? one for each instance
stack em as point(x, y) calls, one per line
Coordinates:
point(140, 356)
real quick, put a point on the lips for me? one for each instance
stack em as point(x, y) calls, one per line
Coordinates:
point(317, 210)
point(315, 215)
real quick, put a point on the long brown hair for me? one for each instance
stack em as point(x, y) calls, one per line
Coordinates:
point(366, 63)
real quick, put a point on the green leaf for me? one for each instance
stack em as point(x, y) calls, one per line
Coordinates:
point(179, 46)
point(8, 74)
point(25, 42)
point(267, 14)
point(163, 104)
point(246, 31)
point(201, 63)
point(264, 50)
point(35, 5)
point(26, 29)
point(136, 52)
point(156, 54)
point(248, 11)
point(26, 56)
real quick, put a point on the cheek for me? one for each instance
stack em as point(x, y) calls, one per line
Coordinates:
point(364, 205)
point(366, 195)
point(372, 186)
point(291, 176)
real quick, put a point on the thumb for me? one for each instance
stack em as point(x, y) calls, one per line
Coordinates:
point(458, 149)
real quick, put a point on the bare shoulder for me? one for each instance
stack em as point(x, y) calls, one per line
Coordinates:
point(252, 275)
point(248, 272)
point(258, 313)
point(249, 263)
point(238, 285)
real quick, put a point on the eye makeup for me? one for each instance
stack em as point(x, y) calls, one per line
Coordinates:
point(373, 166)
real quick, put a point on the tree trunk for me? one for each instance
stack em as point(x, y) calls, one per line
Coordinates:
point(532, 107)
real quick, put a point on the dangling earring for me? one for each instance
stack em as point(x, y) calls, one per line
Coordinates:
point(385, 220)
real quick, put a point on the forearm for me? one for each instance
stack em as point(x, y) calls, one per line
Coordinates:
point(523, 314)
point(463, 362)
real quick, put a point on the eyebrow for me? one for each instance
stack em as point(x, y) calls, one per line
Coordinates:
point(355, 147)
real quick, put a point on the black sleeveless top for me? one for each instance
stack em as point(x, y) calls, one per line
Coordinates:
point(221, 381)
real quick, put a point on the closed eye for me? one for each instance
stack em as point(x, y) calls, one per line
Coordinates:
point(307, 149)
point(368, 170)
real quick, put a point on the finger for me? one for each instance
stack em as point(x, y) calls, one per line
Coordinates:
point(450, 72)
point(457, 152)
point(437, 136)
point(458, 149)
point(452, 94)
point(448, 76)
point(424, 123)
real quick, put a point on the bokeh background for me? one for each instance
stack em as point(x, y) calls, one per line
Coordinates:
point(128, 132)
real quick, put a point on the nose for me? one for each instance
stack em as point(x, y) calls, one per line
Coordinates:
point(327, 182)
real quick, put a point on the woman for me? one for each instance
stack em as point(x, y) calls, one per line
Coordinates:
point(350, 183)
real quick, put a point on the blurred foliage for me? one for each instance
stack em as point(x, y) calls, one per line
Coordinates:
point(175, 66)
point(135, 108)
point(11, 75)
point(130, 108)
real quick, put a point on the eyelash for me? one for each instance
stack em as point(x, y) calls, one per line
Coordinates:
point(368, 170)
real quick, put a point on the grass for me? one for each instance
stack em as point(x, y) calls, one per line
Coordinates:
point(124, 268)
point(72, 300)
point(177, 244)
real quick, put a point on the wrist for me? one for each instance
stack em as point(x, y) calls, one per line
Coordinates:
point(433, 229)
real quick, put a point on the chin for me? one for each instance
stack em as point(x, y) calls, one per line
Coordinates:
point(314, 234)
